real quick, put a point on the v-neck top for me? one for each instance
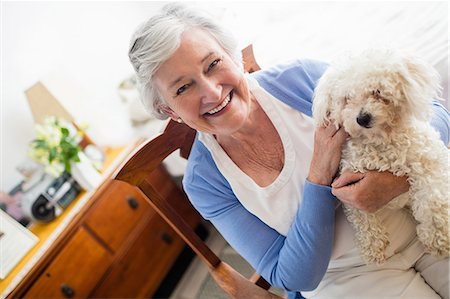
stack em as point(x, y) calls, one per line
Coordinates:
point(277, 203)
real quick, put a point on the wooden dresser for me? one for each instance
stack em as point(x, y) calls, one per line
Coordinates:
point(116, 246)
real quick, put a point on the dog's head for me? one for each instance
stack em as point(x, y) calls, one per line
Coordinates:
point(375, 93)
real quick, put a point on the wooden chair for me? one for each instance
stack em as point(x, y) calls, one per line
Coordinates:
point(147, 160)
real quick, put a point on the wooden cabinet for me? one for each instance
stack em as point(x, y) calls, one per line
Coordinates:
point(126, 208)
point(75, 271)
point(118, 247)
point(143, 267)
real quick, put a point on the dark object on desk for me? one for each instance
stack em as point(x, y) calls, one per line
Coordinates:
point(10, 203)
point(47, 199)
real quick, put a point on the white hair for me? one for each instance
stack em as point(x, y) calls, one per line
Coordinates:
point(155, 41)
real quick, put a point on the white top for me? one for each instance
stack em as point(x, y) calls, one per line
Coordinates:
point(277, 203)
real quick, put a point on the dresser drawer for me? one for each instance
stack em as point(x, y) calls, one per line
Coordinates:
point(144, 265)
point(118, 211)
point(75, 271)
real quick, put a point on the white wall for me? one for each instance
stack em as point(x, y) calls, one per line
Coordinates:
point(86, 44)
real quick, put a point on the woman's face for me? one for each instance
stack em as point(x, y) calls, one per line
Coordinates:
point(203, 86)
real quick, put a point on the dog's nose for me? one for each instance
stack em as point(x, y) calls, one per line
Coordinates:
point(364, 120)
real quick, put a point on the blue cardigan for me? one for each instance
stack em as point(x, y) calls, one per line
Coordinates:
point(299, 260)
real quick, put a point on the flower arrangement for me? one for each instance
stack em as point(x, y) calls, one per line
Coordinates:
point(56, 145)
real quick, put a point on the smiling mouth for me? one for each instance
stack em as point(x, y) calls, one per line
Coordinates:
point(222, 105)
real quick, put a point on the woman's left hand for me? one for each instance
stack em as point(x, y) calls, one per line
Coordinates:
point(368, 191)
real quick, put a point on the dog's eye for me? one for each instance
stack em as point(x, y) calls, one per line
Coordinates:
point(384, 100)
point(376, 93)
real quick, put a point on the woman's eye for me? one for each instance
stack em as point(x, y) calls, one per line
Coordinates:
point(213, 64)
point(182, 89)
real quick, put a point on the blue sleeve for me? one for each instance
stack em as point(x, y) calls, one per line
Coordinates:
point(293, 83)
point(296, 262)
point(441, 121)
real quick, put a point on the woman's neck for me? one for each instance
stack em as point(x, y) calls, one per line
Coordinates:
point(251, 131)
point(256, 148)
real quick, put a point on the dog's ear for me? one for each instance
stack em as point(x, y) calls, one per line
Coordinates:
point(420, 84)
point(326, 106)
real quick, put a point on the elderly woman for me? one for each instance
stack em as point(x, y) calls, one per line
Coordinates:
point(261, 172)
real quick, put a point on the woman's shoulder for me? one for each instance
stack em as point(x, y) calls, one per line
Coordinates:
point(207, 189)
point(297, 68)
point(292, 82)
point(200, 159)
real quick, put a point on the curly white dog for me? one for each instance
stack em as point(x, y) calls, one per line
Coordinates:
point(383, 100)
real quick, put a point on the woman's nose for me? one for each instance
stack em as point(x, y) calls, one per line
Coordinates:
point(210, 91)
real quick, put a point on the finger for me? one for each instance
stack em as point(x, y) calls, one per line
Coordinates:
point(347, 178)
point(344, 194)
point(331, 129)
point(340, 193)
point(340, 135)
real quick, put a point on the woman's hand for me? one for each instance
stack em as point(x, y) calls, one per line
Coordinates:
point(328, 143)
point(368, 191)
point(237, 286)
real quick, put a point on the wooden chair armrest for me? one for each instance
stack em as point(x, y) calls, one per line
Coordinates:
point(260, 281)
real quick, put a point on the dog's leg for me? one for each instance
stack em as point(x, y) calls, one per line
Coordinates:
point(430, 198)
point(431, 211)
point(370, 235)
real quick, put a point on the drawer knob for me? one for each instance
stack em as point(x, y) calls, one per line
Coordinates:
point(67, 291)
point(132, 202)
point(166, 238)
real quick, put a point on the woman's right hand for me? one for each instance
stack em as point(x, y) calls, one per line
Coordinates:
point(237, 286)
point(328, 143)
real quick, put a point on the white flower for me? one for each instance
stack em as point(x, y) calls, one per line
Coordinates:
point(56, 145)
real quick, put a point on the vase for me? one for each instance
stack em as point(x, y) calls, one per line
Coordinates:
point(85, 173)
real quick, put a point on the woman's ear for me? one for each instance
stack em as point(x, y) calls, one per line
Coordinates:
point(167, 110)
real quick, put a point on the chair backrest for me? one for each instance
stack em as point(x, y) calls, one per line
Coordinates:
point(148, 158)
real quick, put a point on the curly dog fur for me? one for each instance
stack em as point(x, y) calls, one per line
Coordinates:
point(383, 99)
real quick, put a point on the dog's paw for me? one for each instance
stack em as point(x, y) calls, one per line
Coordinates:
point(374, 251)
point(436, 240)
point(371, 236)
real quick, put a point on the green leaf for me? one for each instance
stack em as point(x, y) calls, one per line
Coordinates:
point(39, 143)
point(52, 154)
point(67, 166)
point(64, 132)
point(77, 158)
